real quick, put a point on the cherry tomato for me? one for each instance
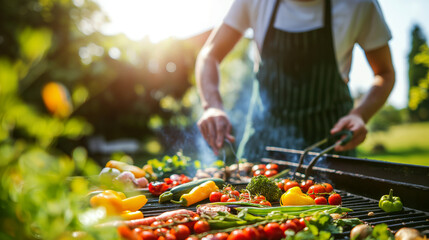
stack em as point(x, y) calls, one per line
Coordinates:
point(215, 196)
point(232, 200)
point(160, 231)
point(201, 226)
point(258, 167)
point(224, 198)
point(289, 224)
point(299, 227)
point(227, 189)
point(235, 193)
point(184, 178)
point(315, 189)
point(328, 187)
point(280, 185)
point(334, 199)
point(306, 185)
point(260, 197)
point(244, 194)
point(270, 173)
point(290, 184)
point(261, 231)
point(259, 172)
point(320, 201)
point(272, 166)
point(192, 238)
point(273, 231)
point(157, 223)
point(238, 235)
point(157, 188)
point(148, 234)
point(251, 233)
point(181, 232)
point(221, 236)
point(169, 236)
point(266, 203)
point(125, 232)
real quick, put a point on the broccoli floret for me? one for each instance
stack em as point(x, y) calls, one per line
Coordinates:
point(261, 185)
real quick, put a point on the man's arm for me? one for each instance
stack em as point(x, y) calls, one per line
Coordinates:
point(384, 78)
point(214, 124)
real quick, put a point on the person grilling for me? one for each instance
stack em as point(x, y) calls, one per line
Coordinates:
point(300, 94)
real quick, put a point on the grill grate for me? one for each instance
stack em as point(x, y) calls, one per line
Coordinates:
point(361, 207)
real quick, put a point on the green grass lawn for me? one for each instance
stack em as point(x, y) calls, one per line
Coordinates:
point(407, 143)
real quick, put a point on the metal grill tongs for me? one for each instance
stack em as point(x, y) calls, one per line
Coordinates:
point(348, 136)
point(237, 172)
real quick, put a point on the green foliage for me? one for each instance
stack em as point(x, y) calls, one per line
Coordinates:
point(418, 74)
point(387, 117)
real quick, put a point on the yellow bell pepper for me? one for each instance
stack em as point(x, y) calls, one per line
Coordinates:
point(134, 203)
point(108, 199)
point(116, 203)
point(294, 196)
point(128, 215)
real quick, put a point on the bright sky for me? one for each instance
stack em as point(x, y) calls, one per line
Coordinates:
point(160, 19)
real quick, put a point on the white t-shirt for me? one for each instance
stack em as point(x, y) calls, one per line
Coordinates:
point(353, 21)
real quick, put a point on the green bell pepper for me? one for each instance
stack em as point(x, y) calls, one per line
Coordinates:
point(389, 203)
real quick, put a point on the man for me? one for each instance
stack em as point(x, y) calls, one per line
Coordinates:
point(300, 93)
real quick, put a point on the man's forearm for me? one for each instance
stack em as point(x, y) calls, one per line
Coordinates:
point(376, 97)
point(207, 78)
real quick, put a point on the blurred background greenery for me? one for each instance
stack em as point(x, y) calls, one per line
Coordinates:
point(71, 98)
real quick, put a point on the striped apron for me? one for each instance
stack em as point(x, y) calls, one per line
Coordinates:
point(298, 94)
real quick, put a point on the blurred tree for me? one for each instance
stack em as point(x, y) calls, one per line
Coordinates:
point(387, 117)
point(418, 103)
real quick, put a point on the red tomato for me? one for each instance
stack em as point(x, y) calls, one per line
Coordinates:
point(157, 188)
point(300, 223)
point(290, 184)
point(125, 232)
point(306, 185)
point(320, 201)
point(235, 193)
point(328, 187)
point(244, 195)
point(273, 231)
point(251, 233)
point(148, 235)
point(181, 232)
point(258, 167)
point(266, 203)
point(238, 235)
point(270, 173)
point(280, 185)
point(157, 223)
point(259, 197)
point(184, 178)
point(289, 224)
point(272, 166)
point(232, 200)
point(224, 198)
point(192, 238)
point(201, 226)
point(221, 236)
point(169, 236)
point(261, 232)
point(259, 172)
point(315, 189)
point(334, 199)
point(160, 231)
point(215, 196)
point(227, 189)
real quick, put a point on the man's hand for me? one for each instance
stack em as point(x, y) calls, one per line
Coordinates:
point(354, 123)
point(214, 125)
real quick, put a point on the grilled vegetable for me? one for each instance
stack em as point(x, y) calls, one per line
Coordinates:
point(361, 231)
point(176, 192)
point(301, 211)
point(408, 234)
point(389, 203)
point(197, 194)
point(294, 196)
point(261, 185)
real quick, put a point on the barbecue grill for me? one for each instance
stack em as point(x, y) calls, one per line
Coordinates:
point(360, 182)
